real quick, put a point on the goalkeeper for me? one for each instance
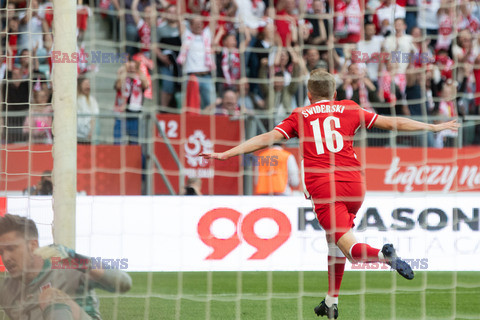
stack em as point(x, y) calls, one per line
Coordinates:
point(35, 291)
point(333, 177)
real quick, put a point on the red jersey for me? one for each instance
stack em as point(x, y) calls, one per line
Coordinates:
point(326, 130)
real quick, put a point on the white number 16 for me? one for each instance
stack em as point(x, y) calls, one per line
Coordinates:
point(331, 135)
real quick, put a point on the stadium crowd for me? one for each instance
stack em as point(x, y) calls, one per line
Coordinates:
point(413, 58)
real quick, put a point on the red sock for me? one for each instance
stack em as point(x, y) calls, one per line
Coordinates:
point(336, 267)
point(362, 252)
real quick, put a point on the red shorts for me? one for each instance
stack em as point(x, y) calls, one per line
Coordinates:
point(336, 205)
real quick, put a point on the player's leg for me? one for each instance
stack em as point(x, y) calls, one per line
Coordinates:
point(328, 217)
point(57, 305)
point(336, 270)
point(355, 251)
point(362, 252)
point(350, 197)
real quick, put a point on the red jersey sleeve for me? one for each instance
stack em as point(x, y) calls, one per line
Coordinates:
point(369, 118)
point(289, 127)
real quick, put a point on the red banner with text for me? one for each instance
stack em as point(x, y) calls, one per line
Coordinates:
point(191, 134)
point(419, 169)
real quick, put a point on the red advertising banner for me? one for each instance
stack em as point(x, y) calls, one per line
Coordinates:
point(191, 134)
point(419, 169)
point(102, 169)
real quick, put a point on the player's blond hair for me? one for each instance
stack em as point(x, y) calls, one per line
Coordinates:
point(321, 84)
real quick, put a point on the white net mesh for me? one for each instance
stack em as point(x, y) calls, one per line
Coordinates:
point(147, 107)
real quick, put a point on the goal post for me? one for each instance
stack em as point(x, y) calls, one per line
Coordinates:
point(64, 124)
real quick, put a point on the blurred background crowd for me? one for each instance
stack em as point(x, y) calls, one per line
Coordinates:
point(242, 58)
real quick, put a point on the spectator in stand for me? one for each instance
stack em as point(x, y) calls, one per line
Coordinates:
point(144, 26)
point(279, 174)
point(358, 87)
point(433, 84)
point(389, 82)
point(200, 7)
point(446, 18)
point(83, 12)
point(25, 59)
point(196, 57)
point(130, 86)
point(250, 14)
point(226, 21)
point(229, 104)
point(10, 14)
point(168, 35)
point(465, 51)
point(416, 104)
point(37, 127)
point(413, 92)
point(113, 9)
point(280, 97)
point(31, 28)
point(445, 64)
point(312, 61)
point(258, 8)
point(265, 45)
point(447, 109)
point(399, 45)
point(87, 109)
point(248, 100)
point(411, 14)
point(12, 30)
point(465, 19)
point(475, 109)
point(422, 51)
point(44, 187)
point(286, 22)
point(372, 45)
point(385, 16)
point(469, 89)
point(427, 17)
point(230, 62)
point(348, 21)
point(319, 33)
point(16, 93)
point(131, 27)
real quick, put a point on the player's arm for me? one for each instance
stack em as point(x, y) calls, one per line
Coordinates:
point(405, 124)
point(251, 145)
point(112, 280)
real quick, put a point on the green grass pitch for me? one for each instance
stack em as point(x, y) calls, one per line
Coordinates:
point(276, 295)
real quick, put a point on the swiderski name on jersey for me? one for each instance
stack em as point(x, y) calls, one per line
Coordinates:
point(322, 108)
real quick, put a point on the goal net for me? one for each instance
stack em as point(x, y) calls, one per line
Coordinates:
point(107, 106)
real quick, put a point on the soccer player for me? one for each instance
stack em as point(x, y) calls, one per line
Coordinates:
point(333, 177)
point(35, 291)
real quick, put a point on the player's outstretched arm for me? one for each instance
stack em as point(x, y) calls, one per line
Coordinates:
point(405, 124)
point(251, 145)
